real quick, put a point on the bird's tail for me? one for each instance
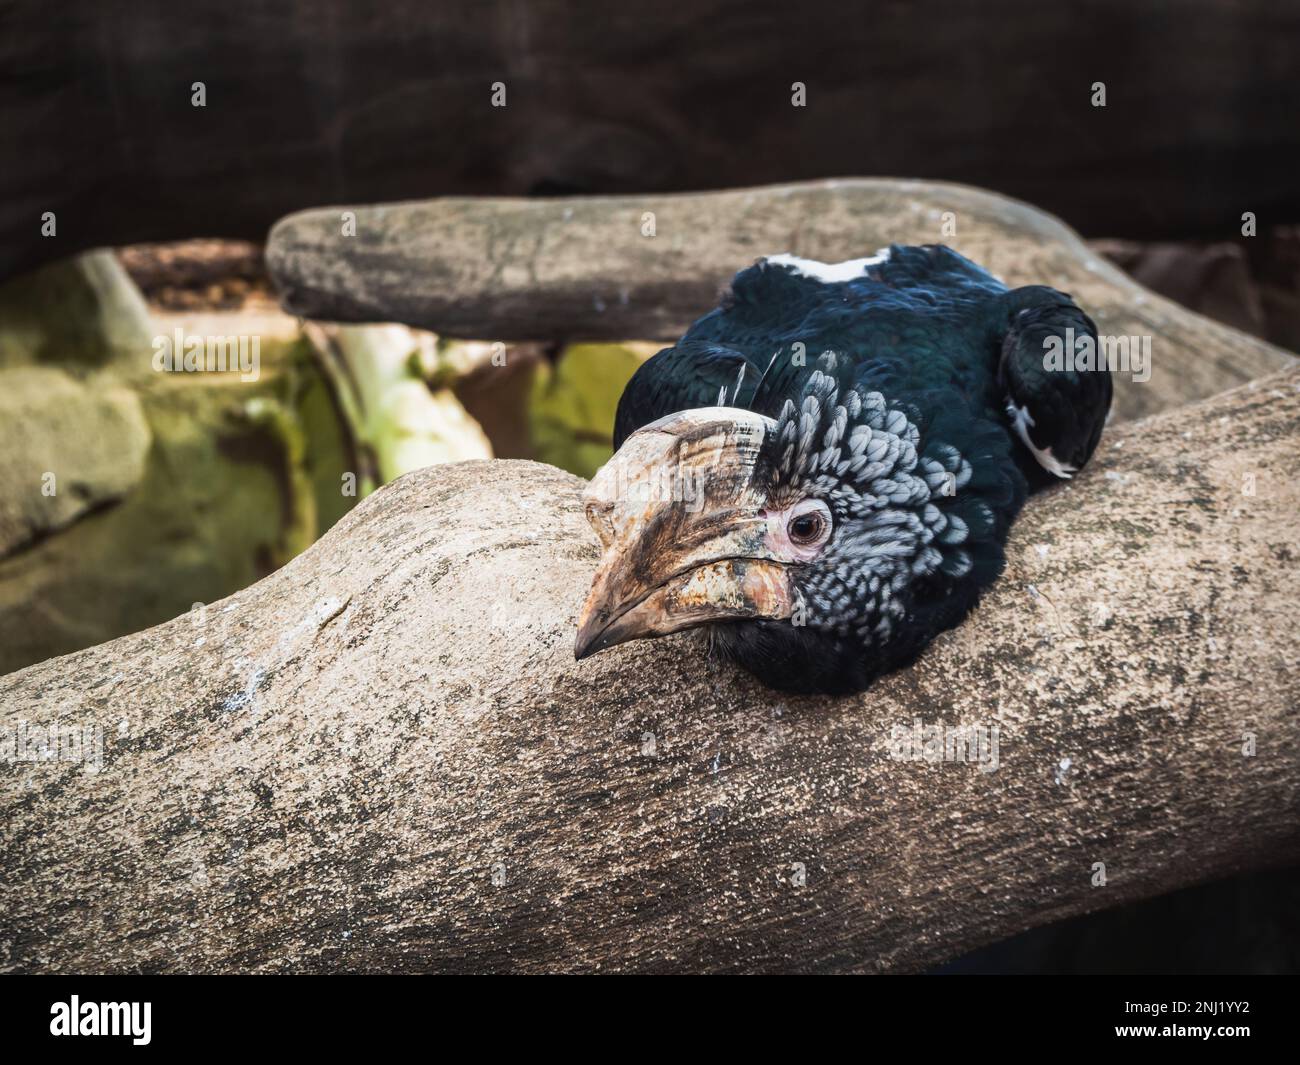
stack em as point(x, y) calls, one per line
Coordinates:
point(1054, 381)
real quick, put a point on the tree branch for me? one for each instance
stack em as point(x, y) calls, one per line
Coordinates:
point(586, 269)
point(383, 756)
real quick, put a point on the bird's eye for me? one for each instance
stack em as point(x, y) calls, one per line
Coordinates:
point(808, 527)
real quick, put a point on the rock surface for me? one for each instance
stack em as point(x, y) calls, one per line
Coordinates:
point(127, 494)
point(383, 757)
point(69, 447)
point(82, 310)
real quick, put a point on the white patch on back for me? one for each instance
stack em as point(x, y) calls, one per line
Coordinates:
point(1021, 420)
point(829, 272)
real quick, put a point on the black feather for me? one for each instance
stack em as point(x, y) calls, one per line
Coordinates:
point(943, 346)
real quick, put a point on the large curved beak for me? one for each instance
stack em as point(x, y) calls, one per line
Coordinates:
point(683, 529)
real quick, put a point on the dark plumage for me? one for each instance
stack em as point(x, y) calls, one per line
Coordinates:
point(910, 411)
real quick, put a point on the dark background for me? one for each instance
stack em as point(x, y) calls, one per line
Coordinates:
point(313, 102)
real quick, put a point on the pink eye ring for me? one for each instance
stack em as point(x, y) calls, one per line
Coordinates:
point(799, 532)
point(807, 528)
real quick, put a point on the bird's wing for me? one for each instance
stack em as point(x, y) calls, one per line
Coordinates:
point(732, 355)
point(691, 374)
point(935, 268)
point(1055, 410)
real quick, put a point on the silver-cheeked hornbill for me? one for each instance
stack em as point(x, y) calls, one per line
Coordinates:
point(824, 469)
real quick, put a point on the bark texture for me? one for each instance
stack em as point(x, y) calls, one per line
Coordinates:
point(383, 756)
point(586, 268)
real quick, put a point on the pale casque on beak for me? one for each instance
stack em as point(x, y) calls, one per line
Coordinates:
point(684, 531)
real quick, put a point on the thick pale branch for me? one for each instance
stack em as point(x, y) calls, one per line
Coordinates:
point(383, 756)
point(615, 268)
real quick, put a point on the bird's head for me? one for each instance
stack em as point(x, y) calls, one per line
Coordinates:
point(821, 547)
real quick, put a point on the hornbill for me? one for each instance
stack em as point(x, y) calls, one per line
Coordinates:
point(824, 469)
